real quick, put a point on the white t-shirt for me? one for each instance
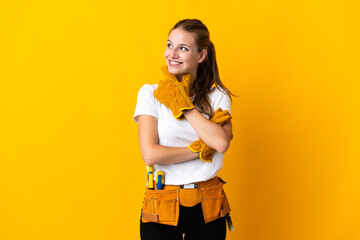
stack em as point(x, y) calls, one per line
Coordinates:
point(175, 133)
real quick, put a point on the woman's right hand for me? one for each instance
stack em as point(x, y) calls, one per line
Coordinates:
point(174, 94)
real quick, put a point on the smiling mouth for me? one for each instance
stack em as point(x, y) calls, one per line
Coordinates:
point(174, 63)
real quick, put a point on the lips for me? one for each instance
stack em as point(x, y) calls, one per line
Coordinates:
point(174, 63)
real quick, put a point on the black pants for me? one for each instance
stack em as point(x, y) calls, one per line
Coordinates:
point(191, 223)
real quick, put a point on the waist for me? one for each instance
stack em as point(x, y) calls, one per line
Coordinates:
point(190, 194)
point(190, 171)
point(195, 185)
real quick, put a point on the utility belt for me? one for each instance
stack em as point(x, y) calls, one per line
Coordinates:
point(162, 206)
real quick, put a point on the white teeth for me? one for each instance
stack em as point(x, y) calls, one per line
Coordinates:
point(174, 62)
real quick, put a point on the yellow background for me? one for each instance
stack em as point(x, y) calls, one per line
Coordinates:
point(70, 72)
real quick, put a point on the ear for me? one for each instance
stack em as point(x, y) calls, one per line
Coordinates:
point(202, 56)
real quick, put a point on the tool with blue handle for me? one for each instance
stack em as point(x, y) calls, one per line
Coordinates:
point(160, 180)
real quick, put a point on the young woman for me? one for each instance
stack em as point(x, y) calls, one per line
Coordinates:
point(184, 129)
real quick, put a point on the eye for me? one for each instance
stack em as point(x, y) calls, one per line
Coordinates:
point(168, 44)
point(185, 48)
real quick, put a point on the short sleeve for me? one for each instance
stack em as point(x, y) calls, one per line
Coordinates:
point(146, 103)
point(225, 102)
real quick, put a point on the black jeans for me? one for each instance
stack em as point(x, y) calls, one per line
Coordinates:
point(191, 223)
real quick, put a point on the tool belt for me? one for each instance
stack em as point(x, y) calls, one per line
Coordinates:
point(162, 206)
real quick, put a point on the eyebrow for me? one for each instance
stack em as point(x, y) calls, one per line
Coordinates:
point(180, 43)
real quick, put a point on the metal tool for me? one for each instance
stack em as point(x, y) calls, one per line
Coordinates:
point(229, 222)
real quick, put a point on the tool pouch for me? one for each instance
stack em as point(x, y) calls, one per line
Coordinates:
point(214, 202)
point(161, 206)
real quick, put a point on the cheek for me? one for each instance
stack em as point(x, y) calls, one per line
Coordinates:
point(196, 57)
point(190, 61)
point(167, 53)
point(187, 58)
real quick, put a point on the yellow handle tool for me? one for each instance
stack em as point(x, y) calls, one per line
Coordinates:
point(150, 169)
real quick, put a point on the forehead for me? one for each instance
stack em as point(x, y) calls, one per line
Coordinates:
point(178, 36)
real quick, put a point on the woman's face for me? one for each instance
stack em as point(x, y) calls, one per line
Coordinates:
point(182, 54)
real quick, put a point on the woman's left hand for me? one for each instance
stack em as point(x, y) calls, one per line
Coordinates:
point(220, 117)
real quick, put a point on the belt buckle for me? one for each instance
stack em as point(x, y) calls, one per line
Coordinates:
point(189, 186)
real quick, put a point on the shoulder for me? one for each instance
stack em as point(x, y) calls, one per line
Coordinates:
point(220, 98)
point(146, 103)
point(147, 90)
point(217, 92)
point(148, 87)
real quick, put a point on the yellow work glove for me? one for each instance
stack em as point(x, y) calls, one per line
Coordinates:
point(174, 94)
point(206, 153)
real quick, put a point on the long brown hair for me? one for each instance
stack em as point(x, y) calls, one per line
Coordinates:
point(207, 72)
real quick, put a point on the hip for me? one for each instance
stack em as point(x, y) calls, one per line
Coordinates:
point(162, 206)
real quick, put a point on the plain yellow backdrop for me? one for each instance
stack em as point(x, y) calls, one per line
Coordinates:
point(70, 165)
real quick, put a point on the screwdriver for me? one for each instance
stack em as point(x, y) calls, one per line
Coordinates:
point(160, 180)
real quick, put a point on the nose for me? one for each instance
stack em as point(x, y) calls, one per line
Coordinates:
point(174, 53)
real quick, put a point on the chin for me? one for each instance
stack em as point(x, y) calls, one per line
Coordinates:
point(172, 71)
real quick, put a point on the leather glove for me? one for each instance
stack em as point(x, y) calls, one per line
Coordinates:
point(206, 153)
point(174, 94)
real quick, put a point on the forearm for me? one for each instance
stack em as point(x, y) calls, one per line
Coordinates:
point(159, 154)
point(211, 133)
point(152, 152)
